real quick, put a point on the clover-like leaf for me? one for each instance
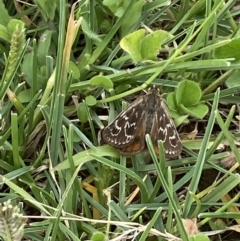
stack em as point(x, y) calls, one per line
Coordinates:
point(151, 44)
point(198, 111)
point(91, 100)
point(171, 101)
point(188, 93)
point(102, 81)
point(132, 44)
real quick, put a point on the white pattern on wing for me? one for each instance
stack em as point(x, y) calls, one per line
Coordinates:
point(128, 137)
point(117, 127)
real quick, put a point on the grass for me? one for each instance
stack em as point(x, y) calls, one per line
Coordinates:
point(67, 70)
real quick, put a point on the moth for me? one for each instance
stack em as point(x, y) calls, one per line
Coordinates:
point(148, 114)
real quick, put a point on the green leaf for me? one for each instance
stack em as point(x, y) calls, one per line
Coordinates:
point(5, 18)
point(102, 81)
point(172, 109)
point(46, 8)
point(4, 34)
point(218, 225)
point(171, 101)
point(133, 17)
point(91, 100)
point(117, 7)
point(188, 93)
point(99, 237)
point(230, 50)
point(25, 96)
point(151, 44)
point(82, 112)
point(43, 46)
point(51, 9)
point(234, 79)
point(181, 119)
point(132, 44)
point(104, 23)
point(199, 237)
point(27, 69)
point(74, 70)
point(198, 111)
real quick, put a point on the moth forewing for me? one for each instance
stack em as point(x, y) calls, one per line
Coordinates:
point(164, 129)
point(121, 132)
point(138, 144)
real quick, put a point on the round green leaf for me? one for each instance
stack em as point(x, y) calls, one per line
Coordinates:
point(219, 224)
point(91, 100)
point(188, 93)
point(102, 81)
point(25, 96)
point(198, 237)
point(99, 237)
point(82, 112)
point(76, 137)
point(171, 101)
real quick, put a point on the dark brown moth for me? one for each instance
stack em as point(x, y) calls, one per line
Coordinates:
point(148, 114)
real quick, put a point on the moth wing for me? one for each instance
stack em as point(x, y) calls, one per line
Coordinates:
point(121, 132)
point(164, 129)
point(137, 144)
